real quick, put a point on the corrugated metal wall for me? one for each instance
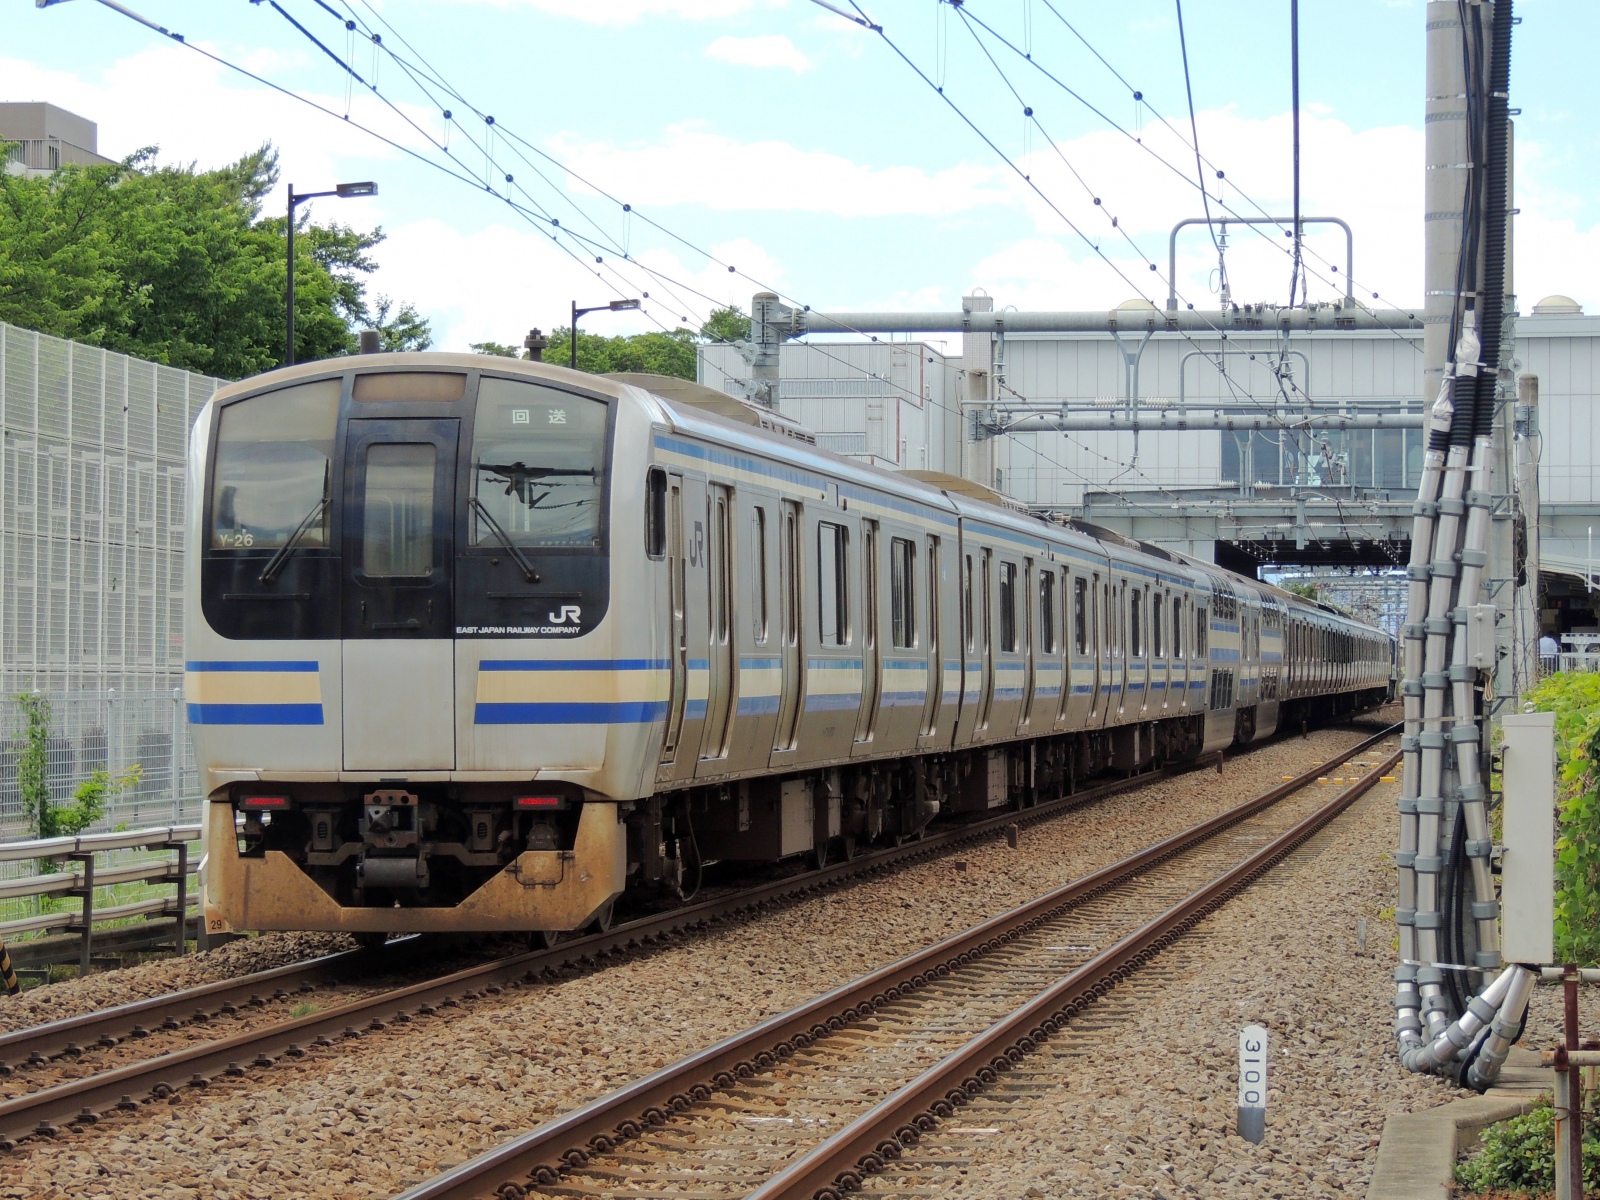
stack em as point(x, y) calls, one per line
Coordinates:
point(92, 452)
point(91, 515)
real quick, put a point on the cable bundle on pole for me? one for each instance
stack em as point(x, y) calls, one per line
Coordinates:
point(1447, 940)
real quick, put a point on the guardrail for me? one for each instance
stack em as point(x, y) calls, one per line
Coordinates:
point(83, 875)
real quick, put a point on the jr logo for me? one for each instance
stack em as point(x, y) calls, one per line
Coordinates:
point(570, 614)
point(697, 545)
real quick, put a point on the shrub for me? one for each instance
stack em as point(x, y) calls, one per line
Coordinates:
point(1519, 1155)
point(1574, 697)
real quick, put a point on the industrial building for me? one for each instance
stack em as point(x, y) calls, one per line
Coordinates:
point(43, 138)
point(1135, 395)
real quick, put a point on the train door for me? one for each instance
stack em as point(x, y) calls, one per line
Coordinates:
point(691, 526)
point(934, 699)
point(720, 656)
point(986, 637)
point(1024, 605)
point(1097, 694)
point(677, 636)
point(871, 647)
point(791, 601)
point(1116, 617)
point(398, 613)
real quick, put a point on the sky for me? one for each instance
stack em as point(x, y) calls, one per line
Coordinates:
point(676, 139)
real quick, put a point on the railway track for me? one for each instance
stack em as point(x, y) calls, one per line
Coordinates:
point(79, 1102)
point(804, 1105)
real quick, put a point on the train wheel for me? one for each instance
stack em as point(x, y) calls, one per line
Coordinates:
point(371, 941)
point(542, 939)
point(819, 856)
point(601, 922)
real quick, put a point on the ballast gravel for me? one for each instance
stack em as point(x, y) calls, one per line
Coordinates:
point(157, 977)
point(372, 1116)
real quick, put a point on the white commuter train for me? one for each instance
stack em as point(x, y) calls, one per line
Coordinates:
point(477, 644)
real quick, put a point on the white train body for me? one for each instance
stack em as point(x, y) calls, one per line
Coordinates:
point(477, 644)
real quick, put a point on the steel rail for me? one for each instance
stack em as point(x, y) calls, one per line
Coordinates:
point(838, 1165)
point(595, 1128)
point(108, 1027)
point(83, 1101)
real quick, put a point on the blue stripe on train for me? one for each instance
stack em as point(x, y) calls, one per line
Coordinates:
point(626, 712)
point(274, 665)
point(255, 714)
point(574, 664)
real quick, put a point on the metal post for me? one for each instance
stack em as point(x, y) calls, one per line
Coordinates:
point(183, 894)
point(288, 349)
point(1525, 633)
point(1570, 1155)
point(86, 890)
point(572, 336)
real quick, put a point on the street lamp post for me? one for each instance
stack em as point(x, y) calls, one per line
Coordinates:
point(614, 306)
point(343, 191)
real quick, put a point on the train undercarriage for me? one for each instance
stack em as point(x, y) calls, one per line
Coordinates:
point(437, 857)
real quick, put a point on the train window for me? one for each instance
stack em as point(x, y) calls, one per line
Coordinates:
point(791, 558)
point(966, 603)
point(933, 595)
point(758, 560)
point(397, 510)
point(273, 468)
point(1136, 624)
point(1080, 614)
point(1202, 632)
point(1008, 607)
point(1155, 625)
point(833, 620)
point(538, 465)
point(655, 513)
point(1047, 612)
point(1177, 627)
point(903, 593)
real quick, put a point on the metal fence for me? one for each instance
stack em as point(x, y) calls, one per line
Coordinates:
point(93, 447)
point(111, 731)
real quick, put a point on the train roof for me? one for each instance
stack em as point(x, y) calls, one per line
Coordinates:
point(693, 409)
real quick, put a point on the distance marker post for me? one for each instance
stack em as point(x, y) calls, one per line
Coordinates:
point(1253, 1083)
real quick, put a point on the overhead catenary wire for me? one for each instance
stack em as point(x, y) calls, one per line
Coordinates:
point(1029, 182)
point(1032, 58)
point(459, 171)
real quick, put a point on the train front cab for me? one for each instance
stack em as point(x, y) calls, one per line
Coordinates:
point(403, 567)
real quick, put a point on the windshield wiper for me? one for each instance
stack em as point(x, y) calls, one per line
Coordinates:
point(275, 563)
point(504, 539)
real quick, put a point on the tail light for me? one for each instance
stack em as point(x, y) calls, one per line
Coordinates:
point(544, 802)
point(264, 802)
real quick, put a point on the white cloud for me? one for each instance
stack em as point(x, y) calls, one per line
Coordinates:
point(625, 12)
point(495, 283)
point(693, 165)
point(766, 50)
point(197, 111)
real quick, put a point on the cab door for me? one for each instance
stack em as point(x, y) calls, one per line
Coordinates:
point(398, 618)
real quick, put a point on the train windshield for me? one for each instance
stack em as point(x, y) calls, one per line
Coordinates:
point(274, 468)
point(538, 466)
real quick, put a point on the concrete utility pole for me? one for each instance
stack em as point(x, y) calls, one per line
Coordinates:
point(1448, 175)
point(977, 360)
point(1525, 626)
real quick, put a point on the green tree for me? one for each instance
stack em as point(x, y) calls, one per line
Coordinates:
point(178, 265)
point(33, 764)
point(726, 325)
point(89, 798)
point(1307, 589)
point(498, 349)
point(656, 352)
